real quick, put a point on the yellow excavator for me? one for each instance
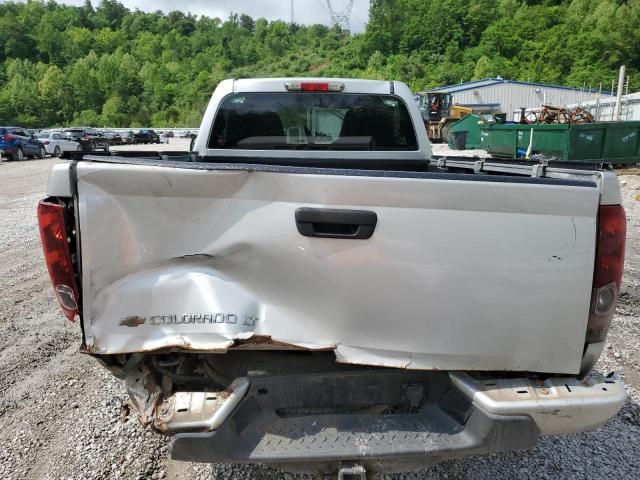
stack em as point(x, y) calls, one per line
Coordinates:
point(439, 113)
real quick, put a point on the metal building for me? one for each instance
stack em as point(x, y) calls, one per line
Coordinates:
point(498, 95)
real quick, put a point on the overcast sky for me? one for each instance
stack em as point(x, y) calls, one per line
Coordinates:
point(305, 11)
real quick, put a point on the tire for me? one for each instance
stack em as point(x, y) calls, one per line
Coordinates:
point(57, 152)
point(43, 153)
point(19, 155)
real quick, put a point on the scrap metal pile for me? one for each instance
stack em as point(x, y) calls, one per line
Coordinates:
point(553, 115)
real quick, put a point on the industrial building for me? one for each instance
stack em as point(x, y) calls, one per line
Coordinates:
point(497, 95)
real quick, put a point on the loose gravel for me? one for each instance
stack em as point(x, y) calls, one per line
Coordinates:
point(61, 413)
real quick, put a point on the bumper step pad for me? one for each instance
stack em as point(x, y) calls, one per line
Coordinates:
point(398, 439)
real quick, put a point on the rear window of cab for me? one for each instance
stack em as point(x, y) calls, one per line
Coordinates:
point(313, 121)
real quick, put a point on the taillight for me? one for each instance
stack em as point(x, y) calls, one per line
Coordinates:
point(607, 275)
point(84, 138)
point(314, 86)
point(8, 138)
point(46, 142)
point(55, 245)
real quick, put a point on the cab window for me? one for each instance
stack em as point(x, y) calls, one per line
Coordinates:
point(313, 121)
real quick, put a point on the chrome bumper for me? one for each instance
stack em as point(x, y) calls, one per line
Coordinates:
point(557, 405)
point(199, 411)
point(292, 420)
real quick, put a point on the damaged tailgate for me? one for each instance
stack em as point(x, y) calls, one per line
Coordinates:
point(458, 272)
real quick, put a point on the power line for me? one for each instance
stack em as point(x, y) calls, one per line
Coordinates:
point(340, 18)
point(357, 19)
point(323, 5)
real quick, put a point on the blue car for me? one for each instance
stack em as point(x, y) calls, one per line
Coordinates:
point(17, 143)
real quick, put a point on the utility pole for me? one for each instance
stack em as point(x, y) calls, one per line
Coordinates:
point(292, 20)
point(616, 112)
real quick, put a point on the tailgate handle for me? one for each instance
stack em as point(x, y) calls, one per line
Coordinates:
point(332, 223)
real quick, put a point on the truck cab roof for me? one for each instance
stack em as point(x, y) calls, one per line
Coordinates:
point(349, 85)
point(318, 128)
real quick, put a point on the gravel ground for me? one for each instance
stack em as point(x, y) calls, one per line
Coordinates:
point(60, 412)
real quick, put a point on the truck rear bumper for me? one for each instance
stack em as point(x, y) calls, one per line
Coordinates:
point(390, 420)
point(557, 405)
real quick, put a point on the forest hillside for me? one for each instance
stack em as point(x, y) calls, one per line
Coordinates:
point(108, 65)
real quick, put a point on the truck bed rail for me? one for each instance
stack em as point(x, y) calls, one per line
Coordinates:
point(445, 168)
point(457, 173)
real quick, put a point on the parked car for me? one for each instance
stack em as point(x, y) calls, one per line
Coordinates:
point(17, 143)
point(114, 137)
point(88, 138)
point(323, 298)
point(56, 143)
point(147, 136)
point(188, 134)
point(169, 133)
point(128, 138)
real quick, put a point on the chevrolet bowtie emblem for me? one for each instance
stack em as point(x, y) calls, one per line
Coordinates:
point(132, 321)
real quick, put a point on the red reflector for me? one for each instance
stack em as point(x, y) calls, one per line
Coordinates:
point(612, 229)
point(314, 87)
point(53, 235)
point(607, 274)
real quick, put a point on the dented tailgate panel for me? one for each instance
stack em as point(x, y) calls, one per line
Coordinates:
point(457, 275)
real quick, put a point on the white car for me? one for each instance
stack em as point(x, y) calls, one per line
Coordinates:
point(55, 143)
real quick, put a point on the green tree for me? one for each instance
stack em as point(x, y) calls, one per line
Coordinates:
point(54, 93)
point(110, 14)
point(63, 64)
point(79, 42)
point(87, 118)
point(113, 111)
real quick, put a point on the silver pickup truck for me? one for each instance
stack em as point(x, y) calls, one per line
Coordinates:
point(311, 289)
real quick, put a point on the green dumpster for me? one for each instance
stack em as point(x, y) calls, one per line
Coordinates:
point(466, 132)
point(613, 142)
point(458, 140)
